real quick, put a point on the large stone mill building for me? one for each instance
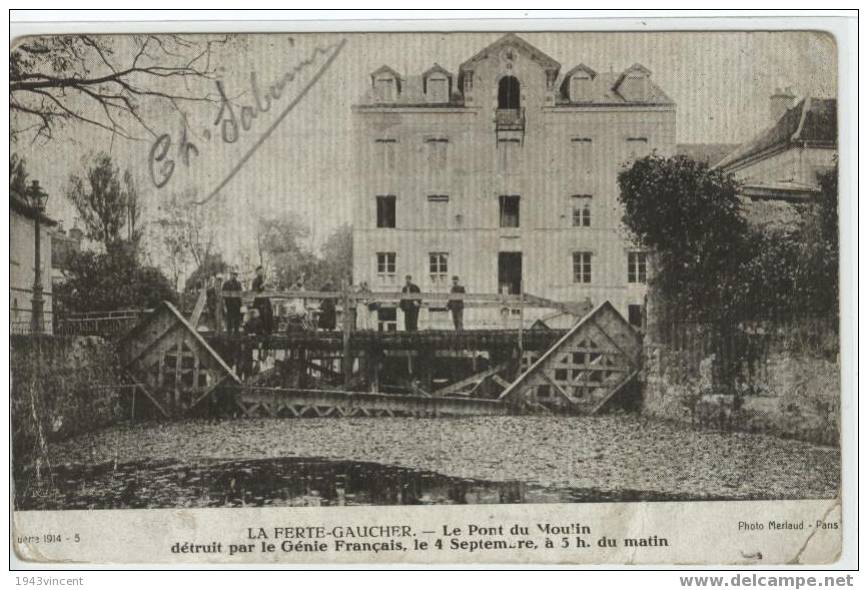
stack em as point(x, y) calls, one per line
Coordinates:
point(505, 174)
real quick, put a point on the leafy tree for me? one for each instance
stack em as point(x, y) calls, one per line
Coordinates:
point(337, 256)
point(689, 216)
point(211, 266)
point(18, 177)
point(184, 233)
point(818, 231)
point(111, 280)
point(279, 243)
point(106, 202)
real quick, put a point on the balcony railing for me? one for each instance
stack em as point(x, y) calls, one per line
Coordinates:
point(509, 119)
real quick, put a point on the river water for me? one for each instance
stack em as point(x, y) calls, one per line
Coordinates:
point(391, 461)
point(285, 482)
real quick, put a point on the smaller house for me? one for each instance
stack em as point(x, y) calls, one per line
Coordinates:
point(783, 162)
point(64, 246)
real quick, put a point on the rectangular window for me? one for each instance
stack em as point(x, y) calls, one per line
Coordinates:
point(438, 89)
point(636, 267)
point(438, 207)
point(438, 267)
point(386, 267)
point(509, 210)
point(386, 211)
point(637, 147)
point(581, 267)
point(385, 154)
point(581, 210)
point(507, 155)
point(385, 89)
point(387, 319)
point(437, 154)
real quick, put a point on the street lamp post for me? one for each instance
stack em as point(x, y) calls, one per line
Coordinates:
point(37, 198)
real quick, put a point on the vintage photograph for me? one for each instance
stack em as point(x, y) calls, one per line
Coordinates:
point(380, 269)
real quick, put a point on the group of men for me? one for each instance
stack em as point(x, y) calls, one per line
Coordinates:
point(262, 313)
point(411, 305)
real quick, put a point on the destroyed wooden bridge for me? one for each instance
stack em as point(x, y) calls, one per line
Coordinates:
point(431, 373)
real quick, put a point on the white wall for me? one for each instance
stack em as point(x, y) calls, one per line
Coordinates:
point(21, 269)
point(549, 170)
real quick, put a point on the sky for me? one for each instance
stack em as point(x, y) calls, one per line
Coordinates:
point(720, 82)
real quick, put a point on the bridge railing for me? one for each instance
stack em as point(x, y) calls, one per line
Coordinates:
point(100, 323)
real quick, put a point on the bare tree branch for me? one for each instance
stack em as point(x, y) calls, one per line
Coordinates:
point(105, 81)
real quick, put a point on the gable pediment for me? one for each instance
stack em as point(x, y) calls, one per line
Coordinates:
point(513, 41)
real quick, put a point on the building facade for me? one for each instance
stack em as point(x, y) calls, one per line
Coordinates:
point(503, 173)
point(22, 264)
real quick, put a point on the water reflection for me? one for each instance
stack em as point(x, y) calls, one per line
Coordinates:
point(280, 482)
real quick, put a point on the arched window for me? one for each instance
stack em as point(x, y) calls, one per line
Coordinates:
point(509, 93)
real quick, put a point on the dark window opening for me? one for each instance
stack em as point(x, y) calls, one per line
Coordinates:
point(387, 319)
point(386, 211)
point(509, 93)
point(509, 273)
point(634, 315)
point(509, 210)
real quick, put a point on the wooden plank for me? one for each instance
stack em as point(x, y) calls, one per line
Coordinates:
point(613, 392)
point(199, 307)
point(148, 393)
point(346, 328)
point(208, 391)
point(500, 380)
point(473, 379)
point(632, 361)
point(557, 387)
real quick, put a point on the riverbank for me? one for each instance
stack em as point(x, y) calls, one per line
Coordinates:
point(608, 453)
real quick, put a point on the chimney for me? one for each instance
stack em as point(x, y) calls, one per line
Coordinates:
point(779, 102)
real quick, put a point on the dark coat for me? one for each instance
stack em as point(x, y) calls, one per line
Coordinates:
point(456, 304)
point(233, 304)
point(409, 305)
point(327, 314)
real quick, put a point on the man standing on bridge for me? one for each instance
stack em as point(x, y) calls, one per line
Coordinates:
point(410, 307)
point(263, 304)
point(456, 306)
point(232, 304)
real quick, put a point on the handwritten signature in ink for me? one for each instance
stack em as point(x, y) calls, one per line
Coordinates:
point(232, 121)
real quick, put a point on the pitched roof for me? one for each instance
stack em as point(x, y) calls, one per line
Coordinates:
point(812, 120)
point(602, 91)
point(709, 153)
point(436, 68)
point(634, 68)
point(580, 68)
point(387, 70)
point(511, 39)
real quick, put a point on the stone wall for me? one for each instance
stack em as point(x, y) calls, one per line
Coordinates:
point(789, 392)
point(61, 387)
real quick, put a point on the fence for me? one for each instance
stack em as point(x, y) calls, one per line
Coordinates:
point(779, 376)
point(739, 353)
point(100, 323)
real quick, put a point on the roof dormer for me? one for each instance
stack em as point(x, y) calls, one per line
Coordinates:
point(437, 84)
point(386, 84)
point(634, 83)
point(577, 83)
